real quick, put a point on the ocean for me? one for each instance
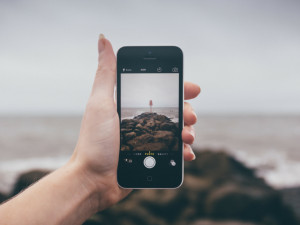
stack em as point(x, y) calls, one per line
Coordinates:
point(171, 112)
point(270, 144)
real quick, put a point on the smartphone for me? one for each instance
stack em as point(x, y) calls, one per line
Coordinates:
point(150, 107)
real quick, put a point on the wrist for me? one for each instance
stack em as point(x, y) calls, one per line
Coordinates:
point(99, 191)
point(86, 191)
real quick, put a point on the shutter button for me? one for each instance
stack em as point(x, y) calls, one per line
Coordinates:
point(149, 162)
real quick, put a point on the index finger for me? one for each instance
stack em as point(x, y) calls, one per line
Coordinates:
point(191, 90)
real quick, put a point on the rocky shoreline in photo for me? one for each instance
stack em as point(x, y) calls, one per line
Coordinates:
point(149, 132)
point(217, 190)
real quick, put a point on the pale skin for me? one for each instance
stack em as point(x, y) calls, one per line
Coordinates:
point(88, 182)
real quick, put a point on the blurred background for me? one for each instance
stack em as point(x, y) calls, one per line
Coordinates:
point(245, 55)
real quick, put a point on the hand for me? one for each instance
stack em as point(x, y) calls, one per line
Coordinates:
point(97, 150)
point(88, 182)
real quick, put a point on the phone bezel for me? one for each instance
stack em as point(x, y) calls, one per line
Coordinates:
point(127, 55)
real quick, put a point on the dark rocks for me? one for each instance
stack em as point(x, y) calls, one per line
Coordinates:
point(217, 190)
point(149, 132)
point(152, 147)
point(167, 126)
point(125, 148)
point(236, 193)
point(3, 197)
point(24, 181)
point(166, 137)
point(140, 140)
point(129, 135)
point(216, 187)
point(246, 203)
point(229, 222)
point(292, 197)
point(28, 178)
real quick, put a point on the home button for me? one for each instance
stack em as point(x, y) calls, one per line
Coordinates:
point(149, 162)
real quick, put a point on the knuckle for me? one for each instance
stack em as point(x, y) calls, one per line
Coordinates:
point(188, 106)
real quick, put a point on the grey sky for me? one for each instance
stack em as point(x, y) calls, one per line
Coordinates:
point(138, 89)
point(244, 54)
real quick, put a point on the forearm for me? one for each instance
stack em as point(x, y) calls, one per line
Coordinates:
point(62, 197)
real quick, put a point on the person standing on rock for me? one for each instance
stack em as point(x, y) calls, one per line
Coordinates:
point(87, 183)
point(150, 103)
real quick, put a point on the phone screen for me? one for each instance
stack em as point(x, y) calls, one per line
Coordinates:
point(150, 110)
point(149, 113)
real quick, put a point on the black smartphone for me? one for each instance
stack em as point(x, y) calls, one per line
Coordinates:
point(150, 107)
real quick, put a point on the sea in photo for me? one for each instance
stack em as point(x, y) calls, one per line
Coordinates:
point(170, 112)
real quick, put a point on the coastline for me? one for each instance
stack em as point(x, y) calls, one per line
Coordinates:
point(267, 143)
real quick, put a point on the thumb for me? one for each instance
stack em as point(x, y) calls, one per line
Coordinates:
point(106, 73)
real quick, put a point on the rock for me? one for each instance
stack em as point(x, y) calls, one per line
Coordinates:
point(129, 135)
point(161, 135)
point(138, 132)
point(291, 197)
point(146, 129)
point(159, 141)
point(175, 146)
point(125, 148)
point(166, 137)
point(142, 121)
point(3, 197)
point(246, 202)
point(152, 147)
point(151, 124)
point(125, 130)
point(143, 129)
point(139, 126)
point(145, 115)
point(167, 126)
point(230, 222)
point(128, 122)
point(216, 187)
point(140, 140)
point(162, 118)
point(28, 178)
point(217, 190)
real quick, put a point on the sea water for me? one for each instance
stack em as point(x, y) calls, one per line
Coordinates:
point(269, 144)
point(170, 112)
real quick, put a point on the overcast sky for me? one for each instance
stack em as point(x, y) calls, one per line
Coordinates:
point(138, 89)
point(244, 54)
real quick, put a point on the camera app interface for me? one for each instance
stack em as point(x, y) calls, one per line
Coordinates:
point(149, 113)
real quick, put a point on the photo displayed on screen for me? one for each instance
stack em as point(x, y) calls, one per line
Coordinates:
point(149, 111)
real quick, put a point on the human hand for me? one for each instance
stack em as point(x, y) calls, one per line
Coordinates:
point(97, 150)
point(88, 182)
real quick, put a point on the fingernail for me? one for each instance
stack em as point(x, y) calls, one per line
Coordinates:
point(199, 89)
point(192, 133)
point(101, 42)
point(195, 114)
point(194, 156)
point(101, 36)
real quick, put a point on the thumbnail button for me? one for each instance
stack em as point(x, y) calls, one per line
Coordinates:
point(172, 162)
point(149, 162)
